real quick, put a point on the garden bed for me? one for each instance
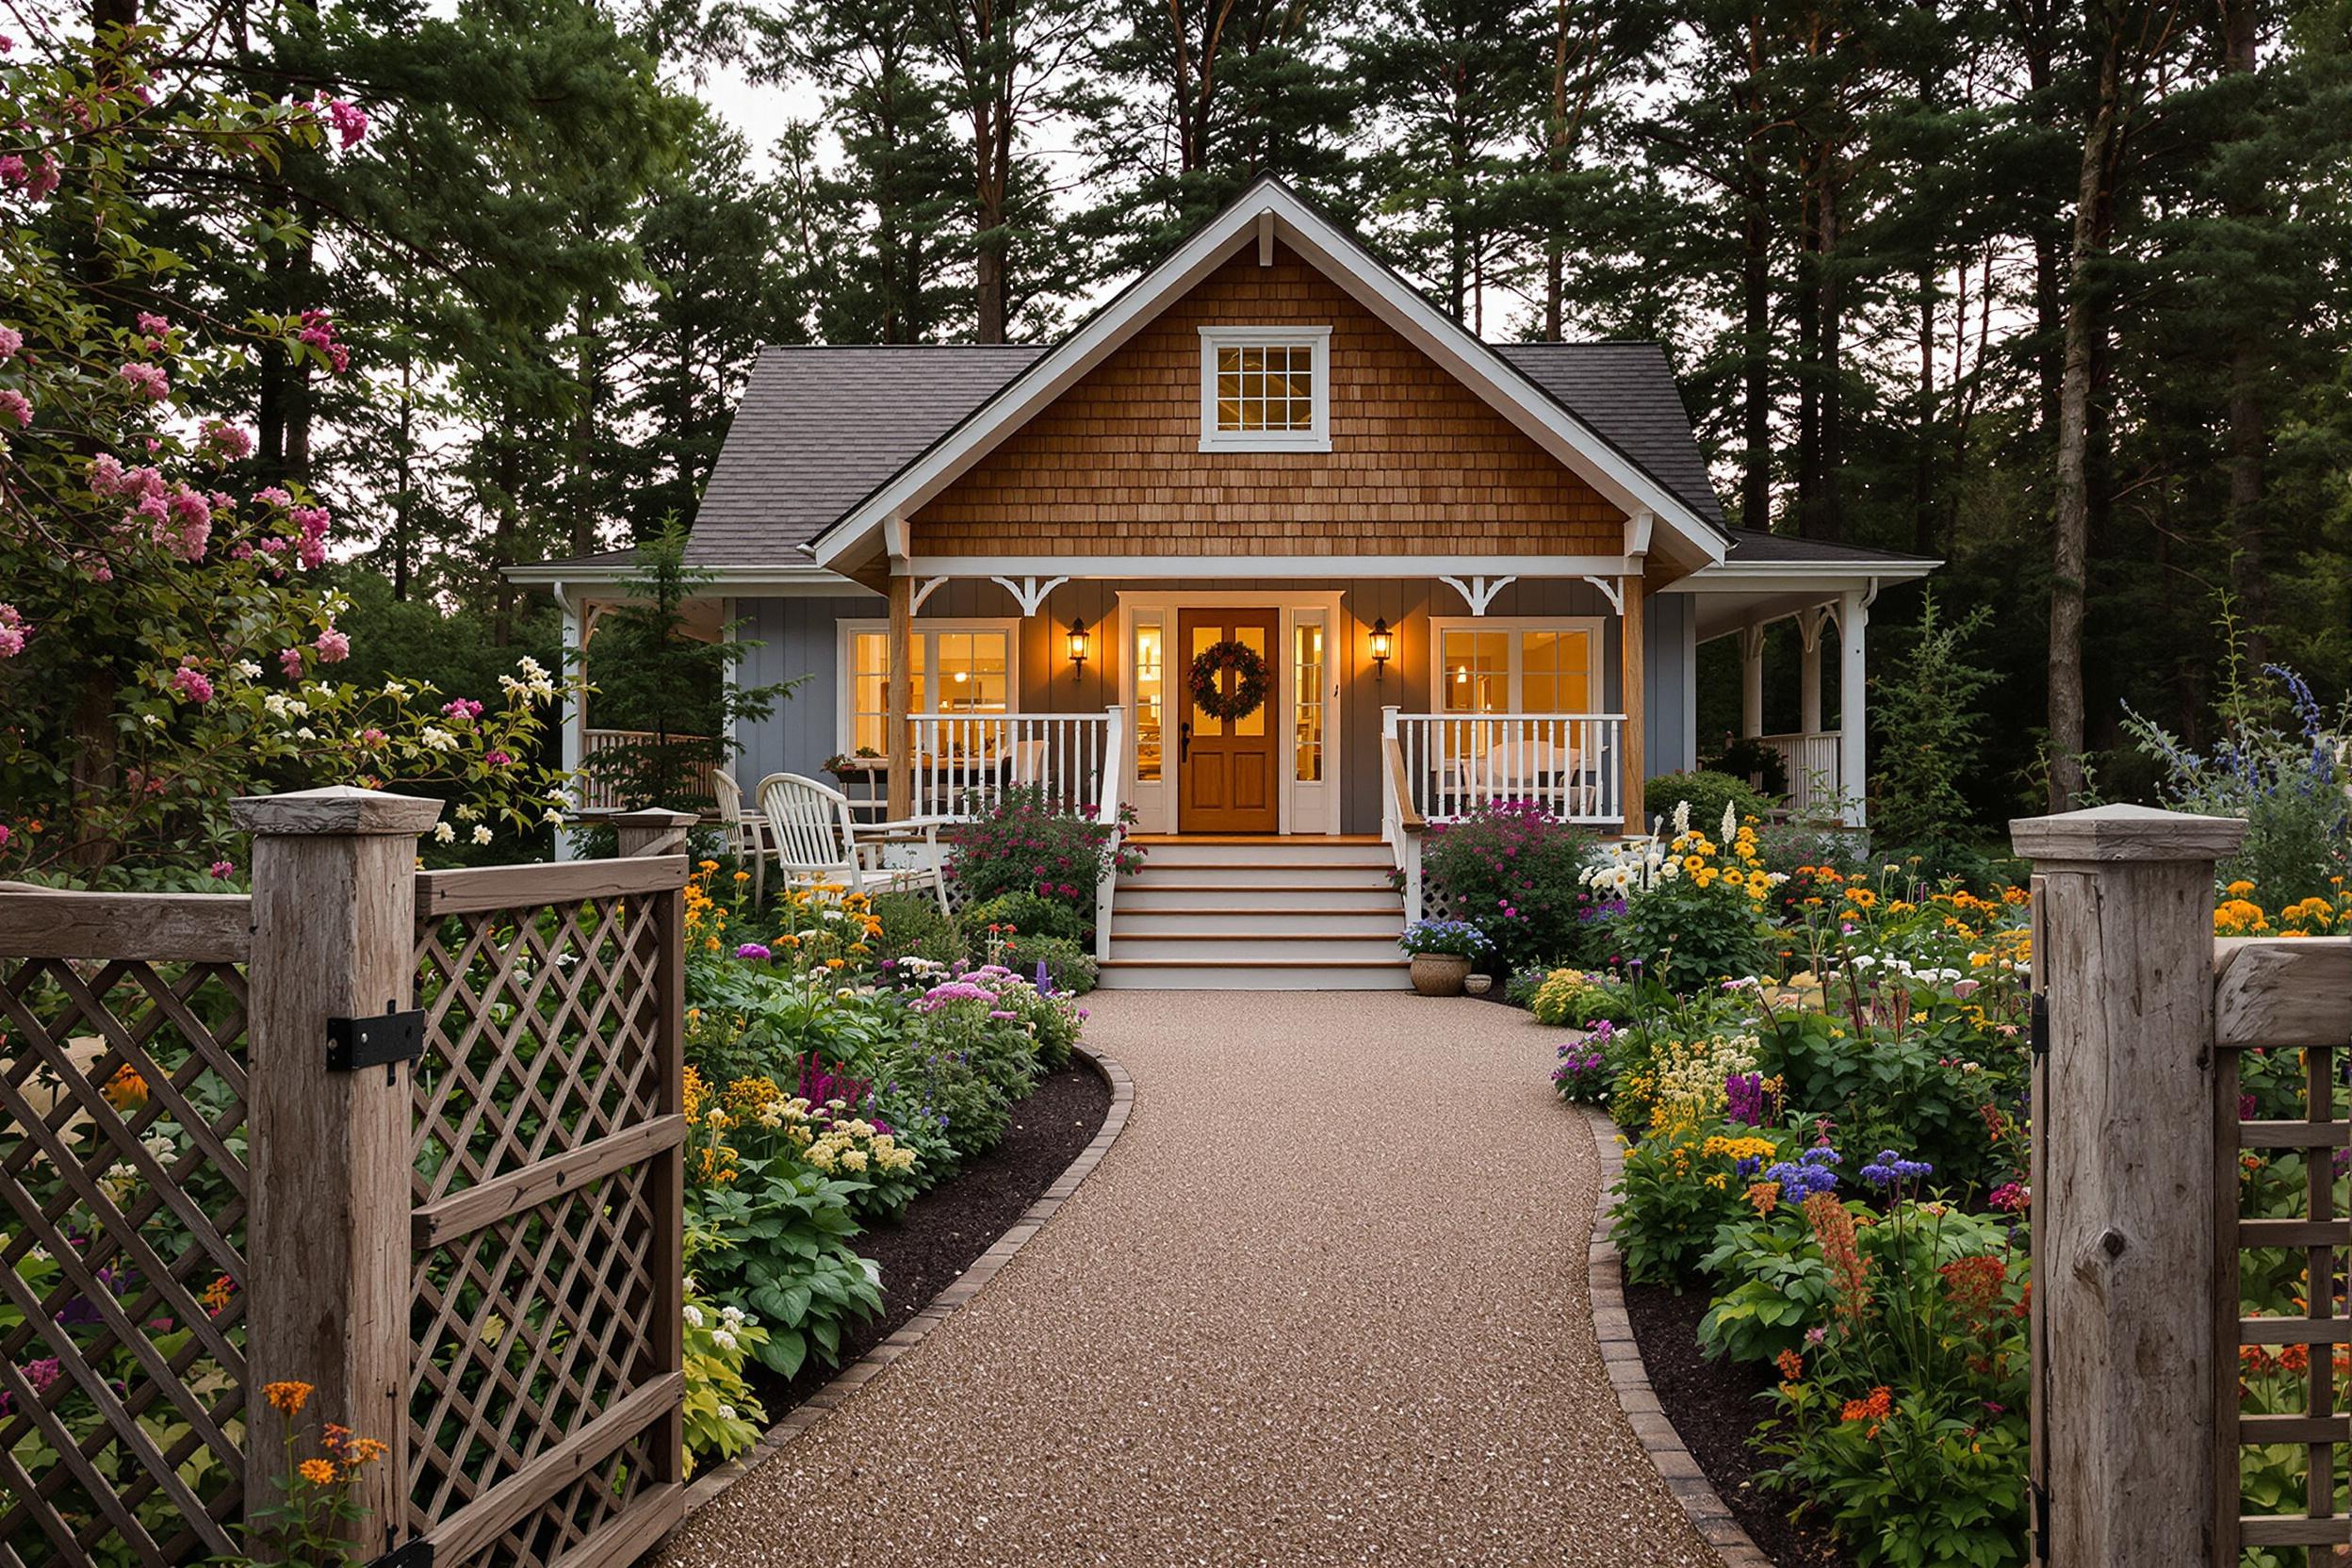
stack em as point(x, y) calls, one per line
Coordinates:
point(947, 1228)
point(1713, 1405)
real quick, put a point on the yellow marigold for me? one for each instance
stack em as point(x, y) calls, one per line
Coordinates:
point(126, 1090)
point(2239, 888)
point(217, 1294)
point(317, 1472)
point(1738, 1149)
point(286, 1398)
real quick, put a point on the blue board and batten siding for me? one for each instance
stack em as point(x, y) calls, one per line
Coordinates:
point(799, 637)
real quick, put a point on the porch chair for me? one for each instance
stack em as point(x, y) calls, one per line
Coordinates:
point(818, 844)
point(747, 837)
point(1555, 775)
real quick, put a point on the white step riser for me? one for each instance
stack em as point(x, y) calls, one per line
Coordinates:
point(1374, 923)
point(1283, 851)
point(1365, 874)
point(1224, 949)
point(1232, 977)
point(1149, 896)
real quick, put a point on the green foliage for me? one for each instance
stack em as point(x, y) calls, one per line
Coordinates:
point(1024, 843)
point(929, 1093)
point(722, 1416)
point(1069, 966)
point(1671, 1200)
point(1508, 868)
point(1022, 915)
point(1689, 936)
point(1707, 794)
point(653, 675)
point(914, 927)
point(1928, 710)
point(1748, 756)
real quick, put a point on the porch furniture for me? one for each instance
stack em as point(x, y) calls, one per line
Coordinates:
point(819, 843)
point(1536, 769)
point(747, 837)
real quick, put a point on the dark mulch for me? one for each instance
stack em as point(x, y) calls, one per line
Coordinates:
point(1714, 1407)
point(946, 1228)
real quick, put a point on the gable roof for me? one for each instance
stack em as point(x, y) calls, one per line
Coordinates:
point(819, 429)
point(1270, 210)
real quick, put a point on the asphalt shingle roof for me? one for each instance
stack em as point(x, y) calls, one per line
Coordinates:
point(819, 429)
point(1748, 548)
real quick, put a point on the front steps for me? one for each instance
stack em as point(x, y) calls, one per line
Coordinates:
point(1258, 914)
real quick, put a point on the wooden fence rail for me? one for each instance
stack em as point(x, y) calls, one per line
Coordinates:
point(464, 1234)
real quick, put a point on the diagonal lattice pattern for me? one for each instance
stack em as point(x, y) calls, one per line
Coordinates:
point(122, 1108)
point(543, 1032)
point(595, 1502)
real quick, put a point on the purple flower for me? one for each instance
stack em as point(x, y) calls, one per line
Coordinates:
point(1890, 1168)
point(753, 950)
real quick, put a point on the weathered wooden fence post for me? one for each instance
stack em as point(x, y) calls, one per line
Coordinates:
point(659, 832)
point(2126, 1451)
point(334, 951)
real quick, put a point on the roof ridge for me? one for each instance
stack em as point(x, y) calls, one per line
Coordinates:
point(805, 348)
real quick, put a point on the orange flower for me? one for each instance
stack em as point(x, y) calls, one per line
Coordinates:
point(127, 1091)
point(1764, 1196)
point(288, 1399)
point(1880, 1405)
point(217, 1294)
point(317, 1472)
point(1790, 1363)
point(1833, 1230)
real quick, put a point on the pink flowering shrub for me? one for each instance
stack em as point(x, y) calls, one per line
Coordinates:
point(1508, 868)
point(168, 627)
point(1024, 843)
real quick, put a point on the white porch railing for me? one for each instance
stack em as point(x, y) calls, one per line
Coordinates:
point(1568, 763)
point(1107, 813)
point(1401, 823)
point(1814, 769)
point(600, 792)
point(964, 762)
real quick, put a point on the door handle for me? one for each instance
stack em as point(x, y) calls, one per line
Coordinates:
point(1184, 742)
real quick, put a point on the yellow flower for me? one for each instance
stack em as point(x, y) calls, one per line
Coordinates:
point(317, 1472)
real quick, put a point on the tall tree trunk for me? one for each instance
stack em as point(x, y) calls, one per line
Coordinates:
point(403, 491)
point(2071, 523)
point(1756, 312)
point(1809, 362)
point(2249, 439)
point(1830, 442)
point(580, 458)
point(1924, 426)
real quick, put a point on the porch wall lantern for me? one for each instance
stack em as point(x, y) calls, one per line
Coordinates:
point(1383, 647)
point(1078, 639)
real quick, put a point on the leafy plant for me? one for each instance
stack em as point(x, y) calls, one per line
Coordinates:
point(1445, 938)
point(1929, 717)
point(1070, 969)
point(1706, 794)
point(1508, 868)
point(914, 927)
point(723, 1416)
point(1023, 842)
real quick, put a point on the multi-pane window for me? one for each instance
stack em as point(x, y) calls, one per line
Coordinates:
point(1535, 668)
point(1264, 388)
point(1147, 702)
point(973, 665)
point(1308, 724)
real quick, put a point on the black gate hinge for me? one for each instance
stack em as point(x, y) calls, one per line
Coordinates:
point(416, 1553)
point(383, 1040)
point(2040, 1026)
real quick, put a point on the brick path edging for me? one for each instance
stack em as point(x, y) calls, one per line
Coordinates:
point(1604, 1274)
point(707, 1488)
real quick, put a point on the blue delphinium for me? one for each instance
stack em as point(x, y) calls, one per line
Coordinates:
point(1807, 1174)
point(1891, 1168)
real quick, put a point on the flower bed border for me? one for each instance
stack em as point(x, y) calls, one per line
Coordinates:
point(711, 1484)
point(1604, 1277)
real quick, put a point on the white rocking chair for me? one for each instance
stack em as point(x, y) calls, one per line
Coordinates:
point(747, 837)
point(818, 844)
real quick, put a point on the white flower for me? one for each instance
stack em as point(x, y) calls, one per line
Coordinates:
point(120, 1181)
point(394, 689)
point(151, 721)
point(724, 1339)
point(694, 1316)
point(305, 733)
point(1731, 823)
point(247, 668)
point(553, 816)
point(439, 738)
point(734, 1317)
point(727, 1412)
point(444, 833)
point(468, 813)
point(482, 835)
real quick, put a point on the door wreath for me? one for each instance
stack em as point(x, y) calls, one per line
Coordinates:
point(1248, 690)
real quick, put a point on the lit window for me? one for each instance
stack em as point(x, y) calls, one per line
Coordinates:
point(1148, 703)
point(1308, 726)
point(1483, 667)
point(975, 665)
point(1265, 388)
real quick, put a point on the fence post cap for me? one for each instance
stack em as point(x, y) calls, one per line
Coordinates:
point(651, 816)
point(339, 808)
point(2117, 833)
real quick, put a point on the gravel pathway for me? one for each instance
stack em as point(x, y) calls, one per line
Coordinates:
point(1322, 1304)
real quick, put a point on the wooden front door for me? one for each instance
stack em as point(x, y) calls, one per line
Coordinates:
point(1227, 781)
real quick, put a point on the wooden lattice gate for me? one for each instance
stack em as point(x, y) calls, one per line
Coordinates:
point(232, 1152)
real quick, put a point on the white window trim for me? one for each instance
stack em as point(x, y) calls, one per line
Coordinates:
point(1591, 626)
point(1315, 440)
point(845, 666)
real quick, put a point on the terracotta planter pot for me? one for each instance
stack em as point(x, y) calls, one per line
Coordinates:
point(1439, 973)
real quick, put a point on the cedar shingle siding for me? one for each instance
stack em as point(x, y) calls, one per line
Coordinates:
point(1418, 463)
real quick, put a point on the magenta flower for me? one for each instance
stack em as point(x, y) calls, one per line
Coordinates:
point(231, 441)
point(290, 660)
point(10, 341)
point(14, 629)
point(17, 406)
point(333, 648)
point(753, 950)
point(222, 870)
point(152, 324)
point(461, 708)
point(498, 760)
point(147, 380)
point(191, 683)
point(349, 123)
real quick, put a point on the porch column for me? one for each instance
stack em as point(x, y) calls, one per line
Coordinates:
point(1635, 741)
point(899, 737)
point(1810, 625)
point(1853, 616)
point(574, 739)
point(1751, 681)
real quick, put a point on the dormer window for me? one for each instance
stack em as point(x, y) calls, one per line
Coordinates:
point(1265, 389)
